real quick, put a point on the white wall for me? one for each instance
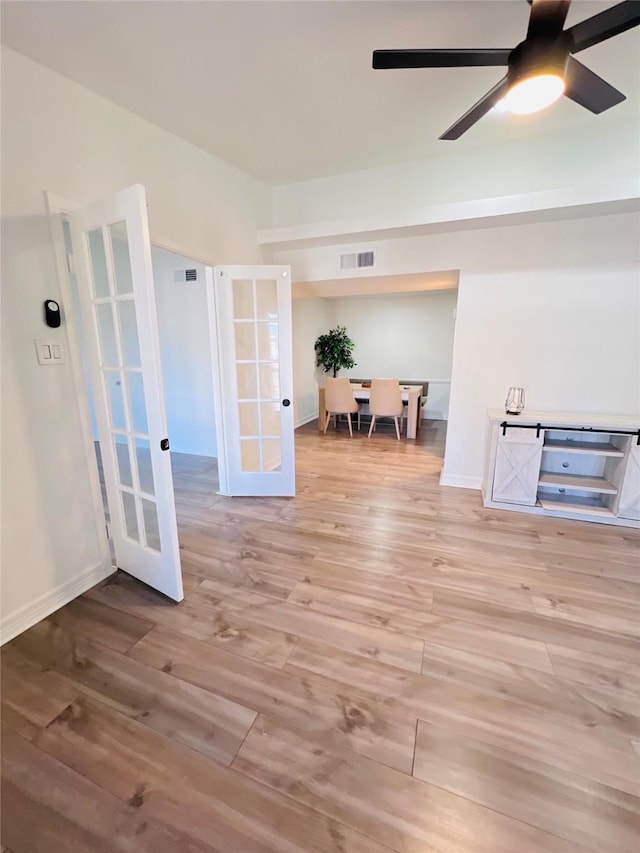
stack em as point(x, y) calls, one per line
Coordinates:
point(61, 137)
point(407, 336)
point(569, 337)
point(186, 355)
point(310, 318)
point(552, 306)
point(519, 166)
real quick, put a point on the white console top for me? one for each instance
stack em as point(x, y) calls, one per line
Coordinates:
point(560, 419)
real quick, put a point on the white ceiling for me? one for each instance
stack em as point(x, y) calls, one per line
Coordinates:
point(285, 91)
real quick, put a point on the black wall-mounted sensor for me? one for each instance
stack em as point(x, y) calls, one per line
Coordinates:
point(51, 313)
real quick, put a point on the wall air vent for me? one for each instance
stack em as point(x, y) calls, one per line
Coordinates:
point(356, 260)
point(180, 276)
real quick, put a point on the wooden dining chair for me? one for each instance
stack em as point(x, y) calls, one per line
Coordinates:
point(339, 400)
point(385, 402)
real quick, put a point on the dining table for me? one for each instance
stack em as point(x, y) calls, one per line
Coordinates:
point(411, 395)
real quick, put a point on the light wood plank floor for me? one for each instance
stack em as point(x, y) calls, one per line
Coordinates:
point(379, 664)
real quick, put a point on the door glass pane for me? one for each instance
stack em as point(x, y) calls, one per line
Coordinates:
point(269, 381)
point(268, 341)
point(113, 382)
point(66, 230)
point(248, 414)
point(270, 418)
point(129, 333)
point(250, 454)
point(247, 381)
point(123, 461)
point(108, 347)
point(136, 403)
point(130, 518)
point(271, 454)
point(243, 299)
point(267, 300)
point(121, 257)
point(98, 263)
point(151, 526)
point(245, 341)
point(143, 460)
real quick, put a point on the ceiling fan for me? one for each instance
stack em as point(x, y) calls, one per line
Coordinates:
point(540, 69)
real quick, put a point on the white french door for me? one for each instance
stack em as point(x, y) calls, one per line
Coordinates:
point(254, 351)
point(115, 283)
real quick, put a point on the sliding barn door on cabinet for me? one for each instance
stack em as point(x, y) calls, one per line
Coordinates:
point(517, 468)
point(629, 504)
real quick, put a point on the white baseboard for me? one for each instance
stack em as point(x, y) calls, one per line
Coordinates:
point(25, 617)
point(461, 482)
point(302, 421)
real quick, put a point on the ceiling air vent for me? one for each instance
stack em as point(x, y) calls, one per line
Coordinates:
point(180, 276)
point(356, 260)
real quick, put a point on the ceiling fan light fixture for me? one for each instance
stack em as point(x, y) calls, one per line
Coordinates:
point(533, 93)
point(539, 70)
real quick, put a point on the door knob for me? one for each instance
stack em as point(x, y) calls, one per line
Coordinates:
point(286, 402)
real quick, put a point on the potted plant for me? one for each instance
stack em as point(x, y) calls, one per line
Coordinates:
point(334, 350)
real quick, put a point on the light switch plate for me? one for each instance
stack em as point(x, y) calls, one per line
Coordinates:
point(50, 352)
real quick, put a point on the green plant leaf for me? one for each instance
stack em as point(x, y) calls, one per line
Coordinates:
point(334, 350)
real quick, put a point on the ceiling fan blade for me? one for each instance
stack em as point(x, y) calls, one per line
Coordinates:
point(445, 58)
point(590, 91)
point(547, 17)
point(604, 26)
point(477, 111)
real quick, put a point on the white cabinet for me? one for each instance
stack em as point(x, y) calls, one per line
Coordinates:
point(574, 466)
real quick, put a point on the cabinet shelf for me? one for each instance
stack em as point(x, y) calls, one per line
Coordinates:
point(587, 505)
point(576, 481)
point(575, 446)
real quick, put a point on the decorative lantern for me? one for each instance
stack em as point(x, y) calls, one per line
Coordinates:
point(514, 403)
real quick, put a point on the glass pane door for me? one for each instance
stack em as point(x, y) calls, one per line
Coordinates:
point(254, 330)
point(118, 310)
point(119, 356)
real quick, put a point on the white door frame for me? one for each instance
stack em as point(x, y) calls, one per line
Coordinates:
point(141, 504)
point(57, 207)
point(221, 437)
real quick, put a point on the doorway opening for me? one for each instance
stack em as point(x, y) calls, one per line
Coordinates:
point(242, 352)
point(402, 326)
point(185, 356)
